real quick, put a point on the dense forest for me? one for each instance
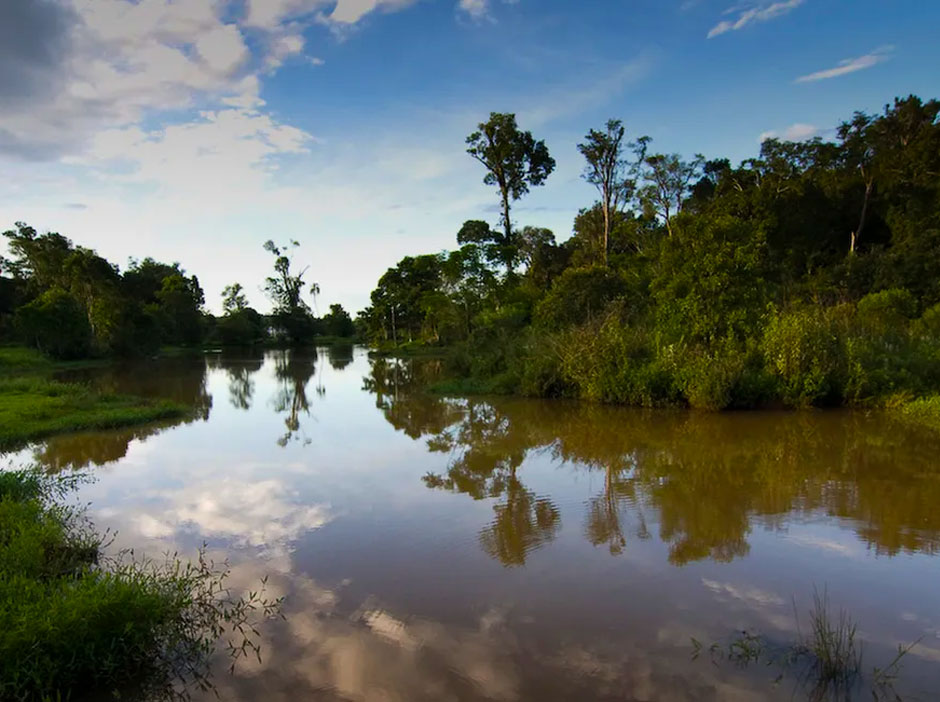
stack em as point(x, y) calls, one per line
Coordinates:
point(809, 275)
point(69, 302)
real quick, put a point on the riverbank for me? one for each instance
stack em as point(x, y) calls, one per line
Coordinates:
point(33, 406)
point(74, 625)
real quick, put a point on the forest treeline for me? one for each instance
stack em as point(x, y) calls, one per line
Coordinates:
point(69, 302)
point(808, 275)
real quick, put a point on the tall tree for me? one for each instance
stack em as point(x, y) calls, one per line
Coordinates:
point(285, 289)
point(514, 161)
point(233, 298)
point(668, 178)
point(609, 172)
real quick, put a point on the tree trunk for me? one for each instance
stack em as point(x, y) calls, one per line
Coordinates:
point(507, 226)
point(856, 235)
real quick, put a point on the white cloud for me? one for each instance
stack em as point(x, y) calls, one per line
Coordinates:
point(749, 595)
point(271, 14)
point(223, 49)
point(475, 8)
point(850, 65)
point(261, 515)
point(752, 15)
point(795, 132)
point(126, 61)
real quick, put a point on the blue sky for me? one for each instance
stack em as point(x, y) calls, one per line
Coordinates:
point(195, 130)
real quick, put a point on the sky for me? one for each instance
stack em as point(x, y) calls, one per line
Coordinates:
point(195, 130)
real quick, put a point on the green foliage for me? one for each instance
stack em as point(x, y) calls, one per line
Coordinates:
point(241, 327)
point(75, 626)
point(579, 295)
point(514, 162)
point(807, 355)
point(338, 323)
point(55, 324)
point(925, 411)
point(710, 280)
point(794, 278)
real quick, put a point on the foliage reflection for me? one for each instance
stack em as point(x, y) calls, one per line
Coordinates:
point(704, 480)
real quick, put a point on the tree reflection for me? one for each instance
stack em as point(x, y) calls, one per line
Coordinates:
point(703, 482)
point(339, 355)
point(486, 458)
point(399, 389)
point(240, 368)
point(293, 371)
point(181, 380)
point(523, 523)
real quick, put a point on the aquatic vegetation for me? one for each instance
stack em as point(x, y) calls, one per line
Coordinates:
point(75, 624)
point(826, 662)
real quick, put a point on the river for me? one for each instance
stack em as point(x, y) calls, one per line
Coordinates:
point(434, 548)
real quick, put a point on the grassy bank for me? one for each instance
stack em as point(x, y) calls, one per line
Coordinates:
point(74, 625)
point(33, 408)
point(924, 411)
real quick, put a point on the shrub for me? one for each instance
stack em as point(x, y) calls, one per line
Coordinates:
point(804, 351)
point(71, 628)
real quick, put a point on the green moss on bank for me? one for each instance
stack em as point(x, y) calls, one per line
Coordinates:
point(34, 408)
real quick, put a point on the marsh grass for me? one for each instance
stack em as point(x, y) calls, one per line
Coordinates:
point(75, 625)
point(34, 408)
point(924, 411)
point(831, 651)
point(826, 662)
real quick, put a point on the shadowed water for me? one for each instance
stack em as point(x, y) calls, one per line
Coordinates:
point(435, 548)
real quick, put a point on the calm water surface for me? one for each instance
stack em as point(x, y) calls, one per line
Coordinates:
point(505, 549)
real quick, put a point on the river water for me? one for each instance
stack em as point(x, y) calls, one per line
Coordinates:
point(434, 548)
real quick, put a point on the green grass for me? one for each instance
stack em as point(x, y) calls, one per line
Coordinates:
point(924, 411)
point(33, 408)
point(75, 626)
point(19, 358)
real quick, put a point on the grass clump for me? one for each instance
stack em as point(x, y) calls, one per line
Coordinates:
point(925, 411)
point(75, 625)
point(34, 408)
point(826, 662)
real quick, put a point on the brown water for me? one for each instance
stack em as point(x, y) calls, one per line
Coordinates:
point(508, 549)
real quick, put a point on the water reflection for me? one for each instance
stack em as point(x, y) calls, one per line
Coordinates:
point(707, 480)
point(239, 368)
point(293, 370)
point(340, 355)
point(399, 389)
point(180, 380)
point(434, 548)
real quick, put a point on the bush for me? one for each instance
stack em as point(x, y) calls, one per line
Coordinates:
point(56, 324)
point(804, 351)
point(71, 628)
point(724, 375)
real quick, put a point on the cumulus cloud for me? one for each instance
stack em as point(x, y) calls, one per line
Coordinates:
point(850, 65)
point(261, 515)
point(752, 15)
point(124, 61)
point(795, 132)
